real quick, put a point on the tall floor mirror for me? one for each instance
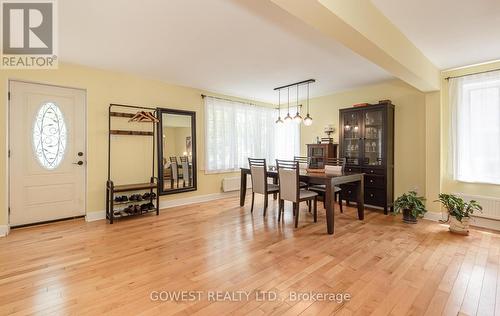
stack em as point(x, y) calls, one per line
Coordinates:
point(176, 151)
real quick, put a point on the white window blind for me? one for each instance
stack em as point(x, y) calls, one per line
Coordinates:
point(235, 131)
point(475, 127)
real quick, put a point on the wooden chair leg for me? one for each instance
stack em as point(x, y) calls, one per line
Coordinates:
point(315, 211)
point(253, 198)
point(283, 209)
point(266, 200)
point(340, 203)
point(309, 205)
point(295, 207)
point(280, 206)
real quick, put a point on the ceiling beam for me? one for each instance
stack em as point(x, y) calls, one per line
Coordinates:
point(361, 27)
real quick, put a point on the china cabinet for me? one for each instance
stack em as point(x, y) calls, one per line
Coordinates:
point(367, 143)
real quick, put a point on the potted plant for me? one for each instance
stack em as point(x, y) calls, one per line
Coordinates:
point(460, 212)
point(411, 205)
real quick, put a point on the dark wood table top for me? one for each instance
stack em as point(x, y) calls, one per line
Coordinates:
point(343, 177)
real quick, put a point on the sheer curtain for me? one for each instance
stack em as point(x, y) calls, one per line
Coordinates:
point(475, 127)
point(235, 131)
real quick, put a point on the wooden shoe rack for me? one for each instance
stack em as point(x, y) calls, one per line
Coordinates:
point(116, 209)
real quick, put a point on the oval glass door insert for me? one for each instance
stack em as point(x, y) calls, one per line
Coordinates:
point(49, 136)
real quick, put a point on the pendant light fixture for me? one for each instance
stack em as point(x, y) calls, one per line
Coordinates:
point(308, 119)
point(288, 118)
point(279, 120)
point(297, 118)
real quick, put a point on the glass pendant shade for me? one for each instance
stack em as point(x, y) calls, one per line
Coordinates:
point(308, 120)
point(297, 118)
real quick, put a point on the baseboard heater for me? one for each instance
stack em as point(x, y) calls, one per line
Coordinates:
point(491, 205)
point(230, 184)
point(490, 217)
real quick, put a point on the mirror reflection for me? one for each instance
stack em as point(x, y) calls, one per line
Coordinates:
point(178, 152)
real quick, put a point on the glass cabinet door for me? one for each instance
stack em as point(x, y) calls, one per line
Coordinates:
point(317, 152)
point(316, 156)
point(352, 137)
point(373, 146)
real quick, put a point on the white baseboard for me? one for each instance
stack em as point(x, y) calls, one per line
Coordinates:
point(197, 199)
point(434, 216)
point(4, 230)
point(485, 223)
point(95, 216)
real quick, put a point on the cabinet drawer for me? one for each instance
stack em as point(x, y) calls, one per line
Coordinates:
point(351, 169)
point(374, 171)
point(348, 192)
point(375, 181)
point(374, 196)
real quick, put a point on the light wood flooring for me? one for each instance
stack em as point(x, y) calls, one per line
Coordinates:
point(387, 267)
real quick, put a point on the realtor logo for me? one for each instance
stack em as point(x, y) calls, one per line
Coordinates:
point(28, 31)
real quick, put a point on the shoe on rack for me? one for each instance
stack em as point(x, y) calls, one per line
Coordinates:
point(129, 209)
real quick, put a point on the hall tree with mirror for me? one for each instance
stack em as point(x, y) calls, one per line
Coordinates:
point(176, 151)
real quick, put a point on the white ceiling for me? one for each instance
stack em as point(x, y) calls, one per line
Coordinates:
point(451, 33)
point(243, 48)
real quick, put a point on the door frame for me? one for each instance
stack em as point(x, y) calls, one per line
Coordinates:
point(85, 135)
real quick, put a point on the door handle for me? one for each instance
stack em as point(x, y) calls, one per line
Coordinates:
point(78, 163)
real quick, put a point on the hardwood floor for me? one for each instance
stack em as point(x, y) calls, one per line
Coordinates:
point(387, 267)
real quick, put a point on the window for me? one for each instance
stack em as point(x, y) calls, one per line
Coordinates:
point(475, 127)
point(235, 131)
point(49, 136)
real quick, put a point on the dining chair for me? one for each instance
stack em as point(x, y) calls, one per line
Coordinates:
point(185, 171)
point(174, 172)
point(303, 164)
point(289, 189)
point(258, 172)
point(321, 188)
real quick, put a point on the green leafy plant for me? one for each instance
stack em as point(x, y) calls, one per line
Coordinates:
point(410, 201)
point(457, 207)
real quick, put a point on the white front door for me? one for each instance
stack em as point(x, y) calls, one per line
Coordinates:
point(47, 153)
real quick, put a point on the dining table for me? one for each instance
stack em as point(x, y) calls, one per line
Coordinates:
point(330, 180)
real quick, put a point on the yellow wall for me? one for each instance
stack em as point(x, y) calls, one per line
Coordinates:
point(169, 143)
point(410, 135)
point(448, 184)
point(105, 87)
point(433, 149)
point(181, 133)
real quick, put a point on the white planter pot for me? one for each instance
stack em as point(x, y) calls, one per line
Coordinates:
point(459, 227)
